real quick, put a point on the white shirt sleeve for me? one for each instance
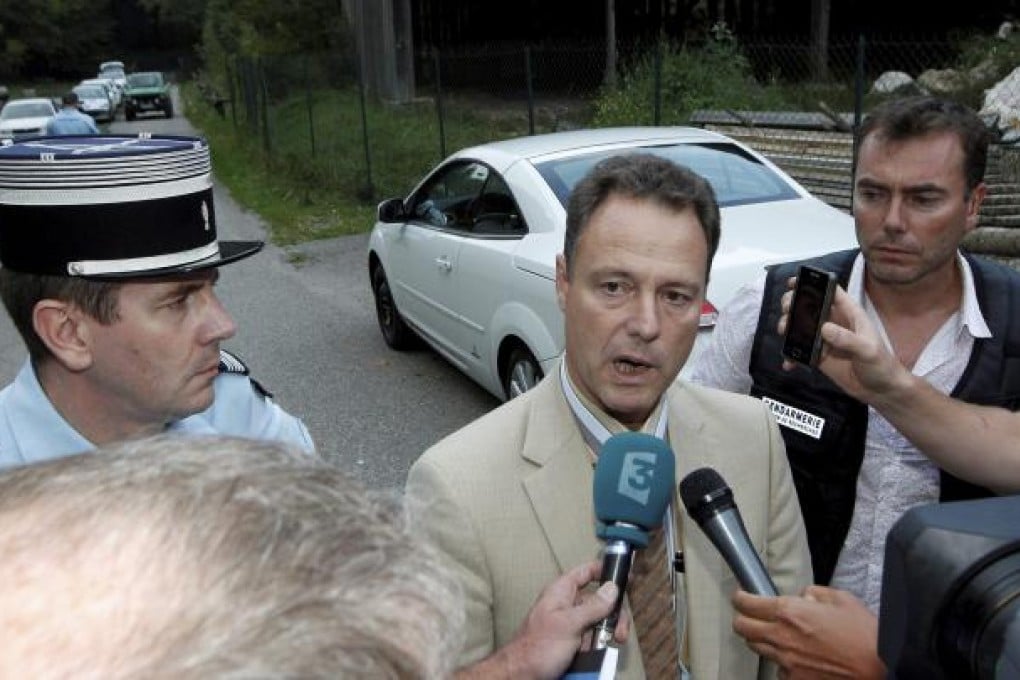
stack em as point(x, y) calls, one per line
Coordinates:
point(724, 362)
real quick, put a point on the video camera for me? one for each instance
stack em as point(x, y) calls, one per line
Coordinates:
point(951, 592)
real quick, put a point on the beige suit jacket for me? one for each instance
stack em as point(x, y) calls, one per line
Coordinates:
point(508, 500)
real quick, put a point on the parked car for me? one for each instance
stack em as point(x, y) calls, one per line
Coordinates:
point(95, 101)
point(467, 260)
point(112, 91)
point(25, 117)
point(146, 92)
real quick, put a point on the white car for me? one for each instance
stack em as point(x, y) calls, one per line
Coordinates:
point(95, 101)
point(111, 90)
point(25, 117)
point(467, 260)
point(114, 70)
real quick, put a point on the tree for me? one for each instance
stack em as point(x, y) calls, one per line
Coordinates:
point(820, 39)
point(37, 39)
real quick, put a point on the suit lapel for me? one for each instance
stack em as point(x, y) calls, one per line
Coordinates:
point(560, 487)
point(693, 444)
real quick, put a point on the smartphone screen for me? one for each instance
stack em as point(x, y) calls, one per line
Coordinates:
point(808, 311)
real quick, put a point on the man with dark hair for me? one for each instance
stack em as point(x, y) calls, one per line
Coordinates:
point(947, 317)
point(70, 120)
point(109, 257)
point(508, 498)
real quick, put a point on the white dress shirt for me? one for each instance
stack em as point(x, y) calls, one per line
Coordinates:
point(894, 475)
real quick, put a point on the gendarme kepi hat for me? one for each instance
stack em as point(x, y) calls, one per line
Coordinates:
point(110, 206)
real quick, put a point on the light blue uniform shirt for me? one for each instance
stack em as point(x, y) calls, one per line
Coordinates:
point(70, 121)
point(31, 429)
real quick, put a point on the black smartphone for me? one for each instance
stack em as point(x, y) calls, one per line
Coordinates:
point(809, 309)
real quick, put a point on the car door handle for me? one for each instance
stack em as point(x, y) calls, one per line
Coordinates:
point(444, 263)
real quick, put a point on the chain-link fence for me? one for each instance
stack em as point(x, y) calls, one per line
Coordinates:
point(795, 103)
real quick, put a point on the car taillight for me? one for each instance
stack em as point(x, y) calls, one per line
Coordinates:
point(709, 314)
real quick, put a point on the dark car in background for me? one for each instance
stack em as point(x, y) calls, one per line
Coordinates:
point(147, 92)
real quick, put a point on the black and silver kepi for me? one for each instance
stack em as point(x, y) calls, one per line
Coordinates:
point(110, 207)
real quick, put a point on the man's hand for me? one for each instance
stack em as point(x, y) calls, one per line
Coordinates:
point(557, 626)
point(853, 354)
point(825, 633)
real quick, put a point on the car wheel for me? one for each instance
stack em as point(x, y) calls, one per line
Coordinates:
point(397, 334)
point(129, 115)
point(521, 374)
point(169, 111)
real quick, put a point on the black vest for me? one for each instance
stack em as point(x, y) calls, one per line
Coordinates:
point(825, 469)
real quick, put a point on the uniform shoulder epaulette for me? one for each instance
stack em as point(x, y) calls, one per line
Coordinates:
point(231, 363)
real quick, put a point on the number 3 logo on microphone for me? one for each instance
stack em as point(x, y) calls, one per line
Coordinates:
point(636, 475)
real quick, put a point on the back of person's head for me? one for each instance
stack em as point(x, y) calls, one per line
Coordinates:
point(641, 176)
point(22, 291)
point(69, 98)
point(214, 557)
point(909, 118)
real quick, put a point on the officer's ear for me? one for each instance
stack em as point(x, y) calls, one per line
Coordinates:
point(64, 329)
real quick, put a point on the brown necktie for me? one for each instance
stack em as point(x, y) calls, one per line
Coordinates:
point(651, 606)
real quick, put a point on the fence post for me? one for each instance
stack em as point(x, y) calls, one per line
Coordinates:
point(368, 189)
point(439, 104)
point(531, 94)
point(264, 91)
point(308, 100)
point(231, 91)
point(858, 108)
point(658, 82)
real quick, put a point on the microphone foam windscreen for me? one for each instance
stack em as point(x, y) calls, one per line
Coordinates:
point(634, 480)
point(699, 484)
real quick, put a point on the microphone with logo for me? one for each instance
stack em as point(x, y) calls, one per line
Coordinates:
point(709, 501)
point(634, 482)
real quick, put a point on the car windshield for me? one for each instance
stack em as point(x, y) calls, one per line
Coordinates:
point(113, 71)
point(25, 110)
point(737, 177)
point(144, 80)
point(90, 91)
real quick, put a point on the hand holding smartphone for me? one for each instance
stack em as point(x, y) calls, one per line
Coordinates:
point(809, 309)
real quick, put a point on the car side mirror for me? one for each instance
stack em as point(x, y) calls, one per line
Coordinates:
point(391, 210)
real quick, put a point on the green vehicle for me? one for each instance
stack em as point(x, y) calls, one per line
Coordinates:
point(147, 92)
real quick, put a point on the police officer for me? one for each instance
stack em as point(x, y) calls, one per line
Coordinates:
point(109, 259)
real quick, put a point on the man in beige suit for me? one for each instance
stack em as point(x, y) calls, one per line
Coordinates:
point(508, 498)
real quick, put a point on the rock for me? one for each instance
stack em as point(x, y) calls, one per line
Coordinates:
point(942, 81)
point(896, 82)
point(1003, 100)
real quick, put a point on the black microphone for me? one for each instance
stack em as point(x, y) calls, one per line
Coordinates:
point(710, 502)
point(634, 481)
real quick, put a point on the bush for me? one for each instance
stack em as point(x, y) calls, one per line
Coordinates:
point(714, 76)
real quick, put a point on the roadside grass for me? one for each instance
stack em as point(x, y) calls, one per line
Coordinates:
point(39, 88)
point(313, 181)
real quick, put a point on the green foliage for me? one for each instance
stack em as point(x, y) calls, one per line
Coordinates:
point(714, 76)
point(39, 33)
point(990, 58)
point(268, 27)
point(305, 194)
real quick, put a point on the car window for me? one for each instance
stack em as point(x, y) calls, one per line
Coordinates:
point(737, 177)
point(87, 91)
point(144, 80)
point(494, 212)
point(26, 110)
point(446, 199)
